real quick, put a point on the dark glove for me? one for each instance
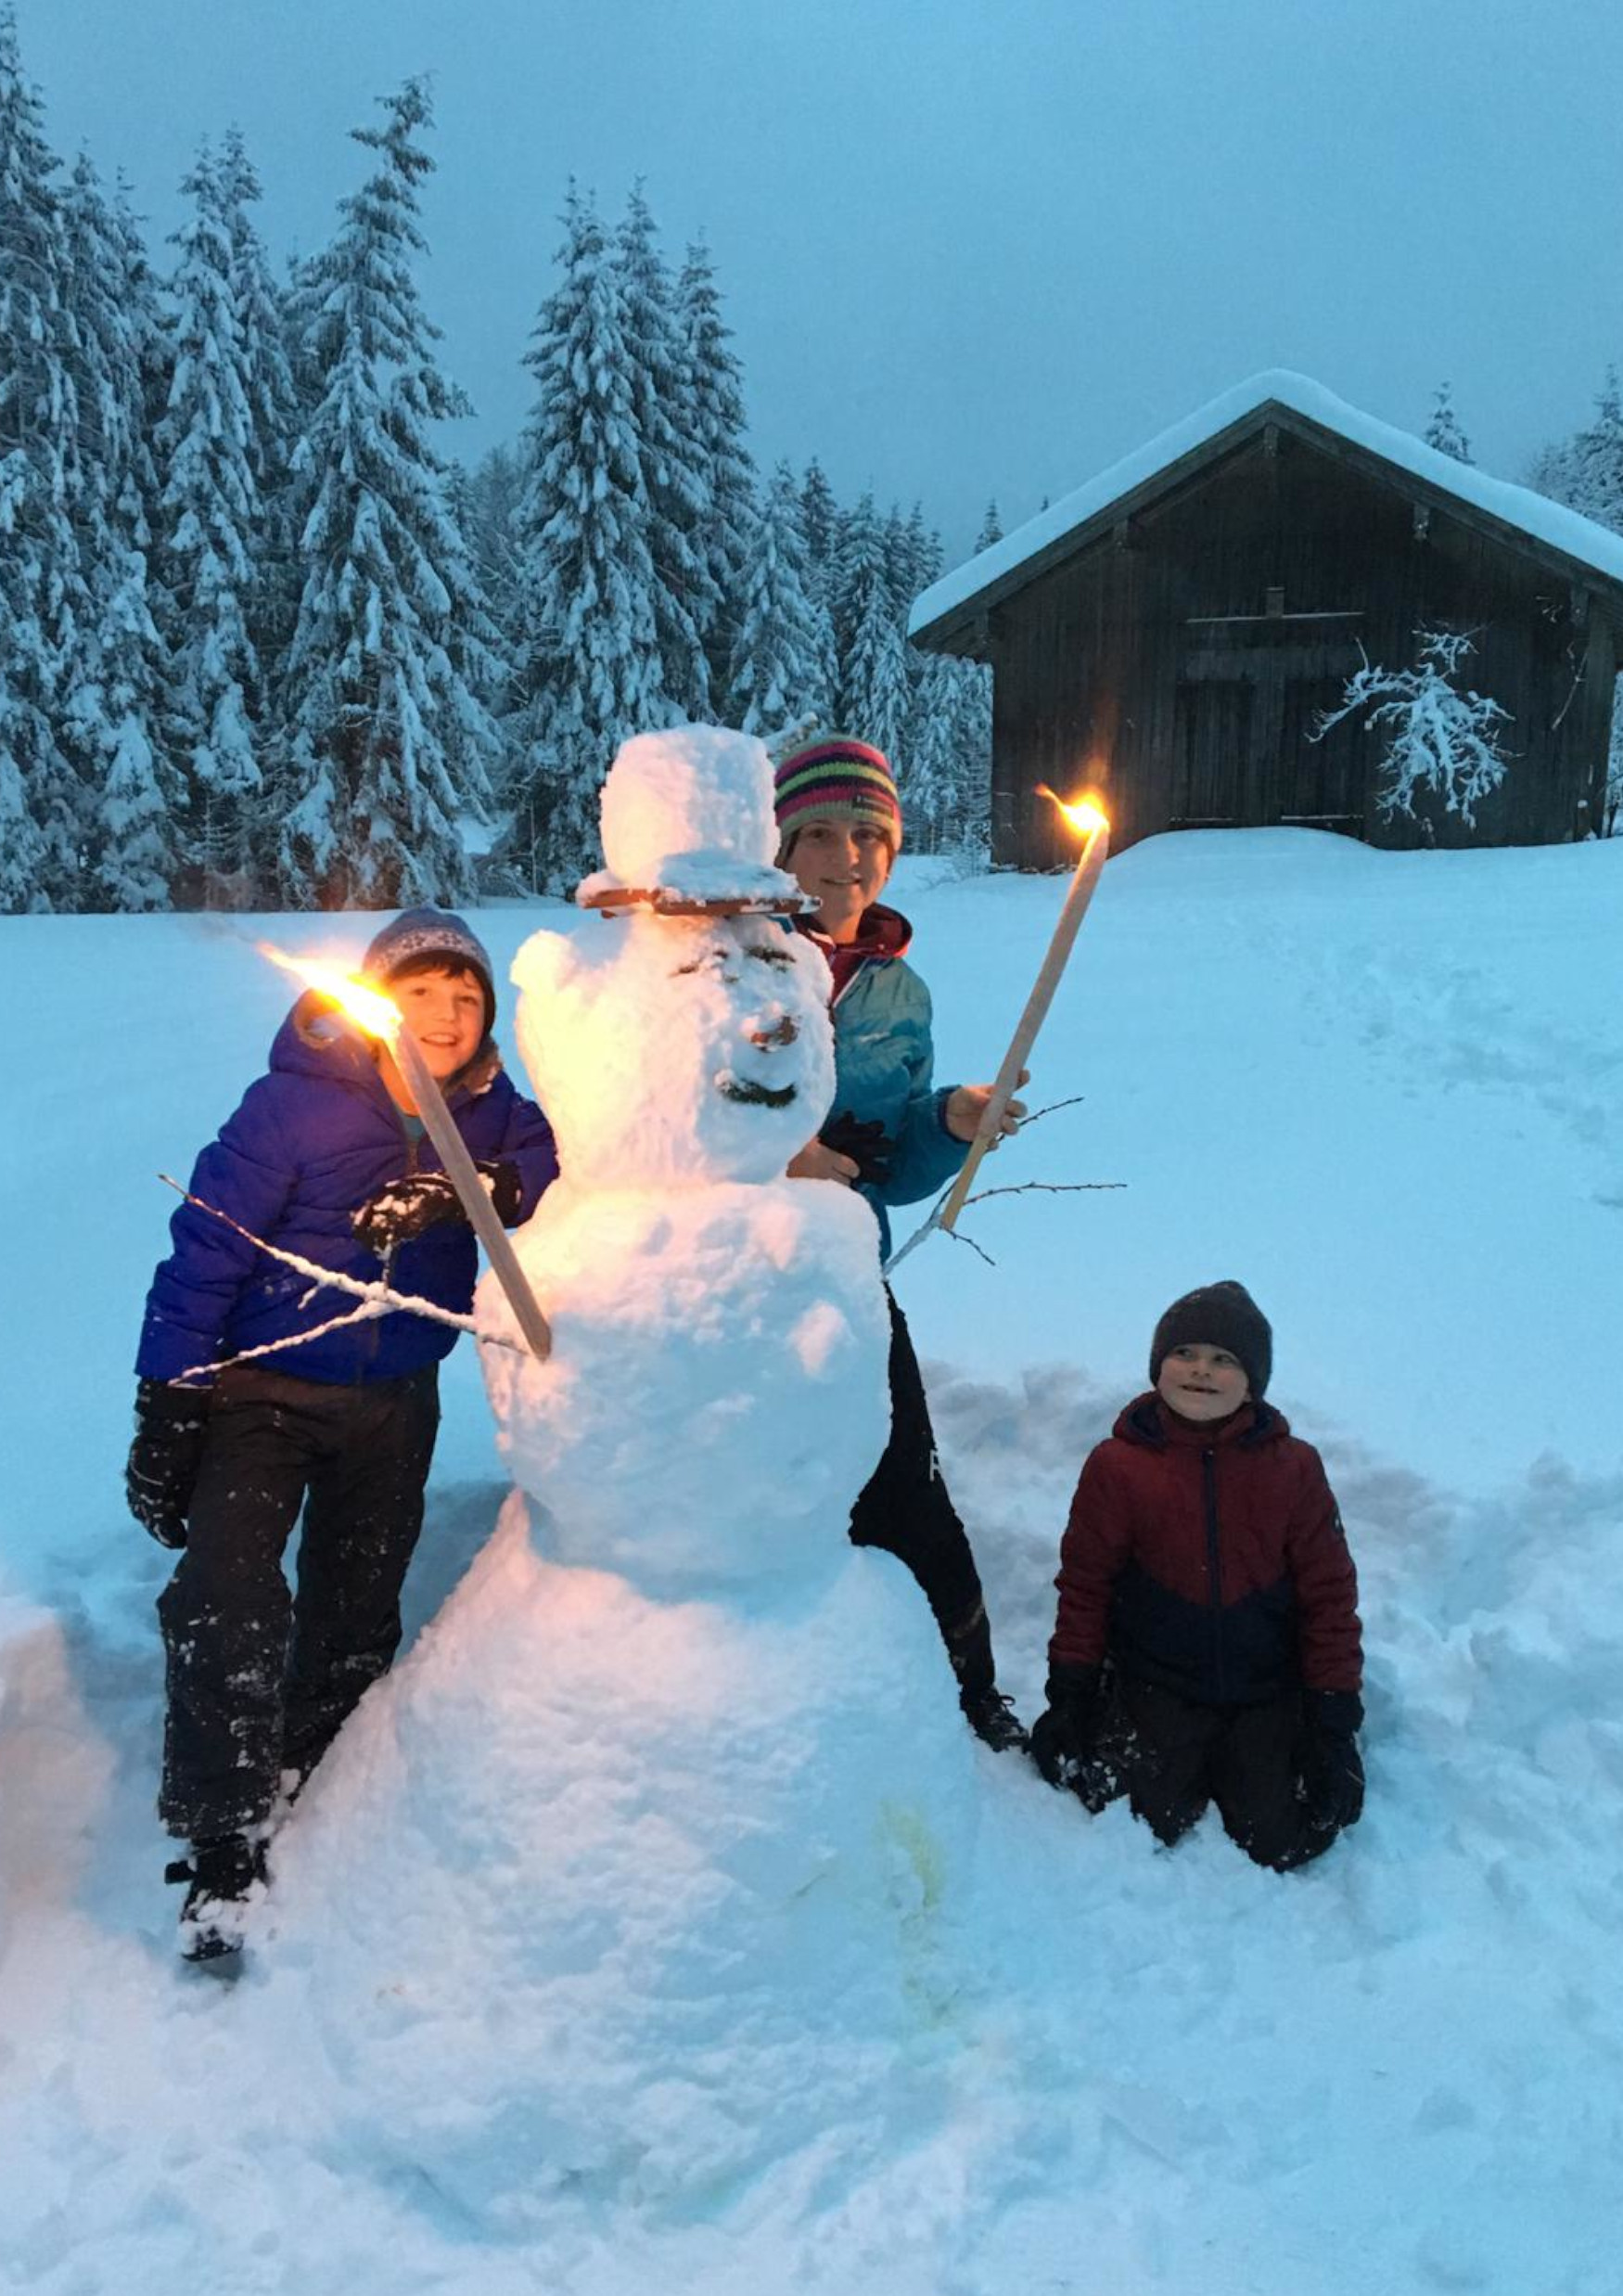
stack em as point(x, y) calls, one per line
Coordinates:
point(868, 1145)
point(1064, 1738)
point(1332, 1767)
point(171, 1426)
point(408, 1207)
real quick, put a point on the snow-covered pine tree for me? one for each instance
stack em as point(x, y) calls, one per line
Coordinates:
point(589, 669)
point(991, 528)
point(779, 673)
point(44, 805)
point(387, 750)
point(1442, 741)
point(210, 524)
point(114, 712)
point(949, 758)
point(726, 473)
point(874, 692)
point(272, 406)
point(820, 524)
point(1593, 462)
point(666, 427)
point(495, 487)
point(1443, 431)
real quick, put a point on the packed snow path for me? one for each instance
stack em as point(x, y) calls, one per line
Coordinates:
point(1386, 1092)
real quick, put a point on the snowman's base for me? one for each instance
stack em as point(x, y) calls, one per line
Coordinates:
point(603, 1890)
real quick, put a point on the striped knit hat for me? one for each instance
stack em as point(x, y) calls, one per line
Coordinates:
point(835, 780)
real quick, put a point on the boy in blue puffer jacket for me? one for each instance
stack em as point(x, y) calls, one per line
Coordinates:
point(326, 1157)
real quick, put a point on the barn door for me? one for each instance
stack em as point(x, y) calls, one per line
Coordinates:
point(1325, 779)
point(1211, 740)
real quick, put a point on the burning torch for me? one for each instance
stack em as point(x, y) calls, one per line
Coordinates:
point(361, 1001)
point(1086, 815)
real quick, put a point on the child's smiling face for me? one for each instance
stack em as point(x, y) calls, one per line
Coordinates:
point(444, 1014)
point(1201, 1382)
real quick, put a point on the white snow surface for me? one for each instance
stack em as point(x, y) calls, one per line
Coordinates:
point(1384, 1090)
point(1552, 522)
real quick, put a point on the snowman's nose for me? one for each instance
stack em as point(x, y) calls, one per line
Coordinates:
point(783, 1031)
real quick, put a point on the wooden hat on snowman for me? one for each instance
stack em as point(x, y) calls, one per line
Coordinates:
point(688, 829)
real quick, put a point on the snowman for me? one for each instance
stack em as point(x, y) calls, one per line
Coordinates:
point(651, 1846)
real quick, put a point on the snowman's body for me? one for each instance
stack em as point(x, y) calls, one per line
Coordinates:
point(656, 1830)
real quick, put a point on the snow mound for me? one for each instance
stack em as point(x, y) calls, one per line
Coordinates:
point(596, 1892)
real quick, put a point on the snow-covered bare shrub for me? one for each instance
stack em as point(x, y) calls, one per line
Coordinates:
point(1444, 740)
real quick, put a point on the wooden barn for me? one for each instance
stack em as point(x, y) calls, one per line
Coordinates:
point(1174, 630)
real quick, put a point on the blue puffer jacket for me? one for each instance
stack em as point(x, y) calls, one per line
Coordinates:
point(312, 1141)
point(884, 1065)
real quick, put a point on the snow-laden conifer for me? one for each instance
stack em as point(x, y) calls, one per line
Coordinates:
point(676, 471)
point(1442, 741)
point(779, 671)
point(992, 527)
point(589, 669)
point(1443, 430)
point(272, 404)
point(210, 514)
point(1592, 465)
point(115, 701)
point(43, 798)
point(386, 748)
point(875, 700)
point(726, 474)
point(819, 523)
point(947, 774)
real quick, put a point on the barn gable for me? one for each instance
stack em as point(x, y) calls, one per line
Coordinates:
point(1175, 627)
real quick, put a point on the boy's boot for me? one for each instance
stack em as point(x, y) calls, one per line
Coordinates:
point(220, 1873)
point(990, 1714)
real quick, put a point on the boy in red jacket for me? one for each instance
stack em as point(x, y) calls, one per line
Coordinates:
point(1207, 1644)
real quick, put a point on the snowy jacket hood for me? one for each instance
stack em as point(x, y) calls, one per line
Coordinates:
point(315, 1041)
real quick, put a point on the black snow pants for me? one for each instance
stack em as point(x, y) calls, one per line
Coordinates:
point(904, 1508)
point(260, 1679)
point(1177, 1756)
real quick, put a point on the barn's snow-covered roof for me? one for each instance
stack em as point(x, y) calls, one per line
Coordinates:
point(1534, 514)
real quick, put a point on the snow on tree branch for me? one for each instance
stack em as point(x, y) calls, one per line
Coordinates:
point(1444, 740)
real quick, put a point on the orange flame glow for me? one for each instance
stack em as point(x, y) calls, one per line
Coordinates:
point(1085, 814)
point(357, 998)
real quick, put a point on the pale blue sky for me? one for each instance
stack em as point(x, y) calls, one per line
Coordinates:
point(970, 247)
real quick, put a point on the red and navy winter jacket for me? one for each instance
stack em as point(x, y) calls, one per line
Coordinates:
point(1209, 1560)
point(312, 1141)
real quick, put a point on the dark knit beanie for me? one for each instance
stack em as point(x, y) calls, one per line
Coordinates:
point(1218, 1315)
point(837, 779)
point(424, 937)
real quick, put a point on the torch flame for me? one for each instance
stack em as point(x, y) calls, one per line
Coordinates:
point(1084, 813)
point(357, 998)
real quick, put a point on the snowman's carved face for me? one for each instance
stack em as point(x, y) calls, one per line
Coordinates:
point(678, 1050)
point(770, 1031)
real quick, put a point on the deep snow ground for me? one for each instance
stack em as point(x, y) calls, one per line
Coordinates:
point(1384, 1091)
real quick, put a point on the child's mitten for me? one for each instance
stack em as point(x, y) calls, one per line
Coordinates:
point(868, 1145)
point(1332, 1766)
point(171, 1426)
point(1065, 1736)
point(408, 1207)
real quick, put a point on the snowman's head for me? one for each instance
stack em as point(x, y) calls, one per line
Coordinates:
point(676, 1050)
